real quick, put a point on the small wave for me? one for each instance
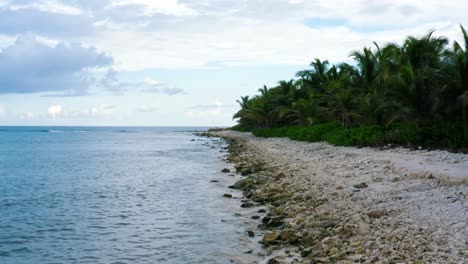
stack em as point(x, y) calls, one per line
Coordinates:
point(126, 131)
point(51, 131)
point(63, 131)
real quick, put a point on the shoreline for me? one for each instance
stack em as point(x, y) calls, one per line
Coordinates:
point(345, 205)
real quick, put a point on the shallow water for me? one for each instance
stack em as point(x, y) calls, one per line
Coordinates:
point(113, 195)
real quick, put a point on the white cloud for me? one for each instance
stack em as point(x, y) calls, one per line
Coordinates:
point(51, 6)
point(54, 111)
point(112, 82)
point(101, 110)
point(146, 109)
point(165, 7)
point(45, 67)
point(216, 109)
point(27, 116)
point(2, 110)
point(59, 111)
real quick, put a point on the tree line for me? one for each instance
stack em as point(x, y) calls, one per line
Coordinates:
point(421, 84)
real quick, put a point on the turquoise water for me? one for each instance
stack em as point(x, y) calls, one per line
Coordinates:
point(112, 195)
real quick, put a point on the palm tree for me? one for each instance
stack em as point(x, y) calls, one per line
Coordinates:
point(461, 72)
point(420, 77)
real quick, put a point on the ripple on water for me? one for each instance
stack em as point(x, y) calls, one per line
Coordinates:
point(108, 197)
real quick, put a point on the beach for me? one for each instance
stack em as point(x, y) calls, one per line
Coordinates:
point(329, 204)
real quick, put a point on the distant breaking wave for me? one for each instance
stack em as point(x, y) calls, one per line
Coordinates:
point(63, 131)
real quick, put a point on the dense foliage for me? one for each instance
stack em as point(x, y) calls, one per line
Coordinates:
point(412, 94)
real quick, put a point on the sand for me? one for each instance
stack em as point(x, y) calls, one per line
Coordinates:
point(345, 205)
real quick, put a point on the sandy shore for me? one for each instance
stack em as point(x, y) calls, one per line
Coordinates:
point(332, 204)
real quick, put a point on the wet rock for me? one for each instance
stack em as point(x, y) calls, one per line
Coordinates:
point(255, 217)
point(270, 238)
point(214, 181)
point(247, 205)
point(225, 170)
point(262, 211)
point(250, 233)
point(245, 171)
point(272, 221)
point(287, 235)
point(243, 184)
point(273, 261)
point(227, 195)
point(361, 185)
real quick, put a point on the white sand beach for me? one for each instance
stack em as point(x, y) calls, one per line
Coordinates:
point(346, 205)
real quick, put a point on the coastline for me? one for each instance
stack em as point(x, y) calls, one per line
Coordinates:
point(345, 205)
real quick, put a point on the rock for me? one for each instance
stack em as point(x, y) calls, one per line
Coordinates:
point(464, 194)
point(250, 233)
point(378, 179)
point(363, 229)
point(361, 185)
point(227, 195)
point(323, 224)
point(395, 179)
point(262, 211)
point(214, 181)
point(270, 238)
point(418, 188)
point(243, 184)
point(192, 140)
point(248, 252)
point(376, 214)
point(247, 205)
point(273, 261)
point(272, 221)
point(287, 235)
point(255, 217)
point(306, 252)
point(225, 170)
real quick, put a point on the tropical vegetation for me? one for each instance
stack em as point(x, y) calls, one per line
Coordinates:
point(414, 93)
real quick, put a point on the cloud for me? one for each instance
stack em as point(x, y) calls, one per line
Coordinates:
point(217, 104)
point(44, 18)
point(59, 111)
point(112, 82)
point(54, 111)
point(2, 110)
point(150, 7)
point(278, 32)
point(146, 109)
point(27, 116)
point(195, 33)
point(62, 68)
point(216, 109)
point(101, 110)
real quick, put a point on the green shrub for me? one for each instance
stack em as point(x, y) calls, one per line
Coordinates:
point(441, 136)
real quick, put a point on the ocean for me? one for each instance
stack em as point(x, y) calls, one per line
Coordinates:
point(115, 195)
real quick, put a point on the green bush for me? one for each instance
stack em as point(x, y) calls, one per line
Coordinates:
point(371, 135)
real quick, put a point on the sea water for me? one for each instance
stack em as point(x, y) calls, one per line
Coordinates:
point(113, 195)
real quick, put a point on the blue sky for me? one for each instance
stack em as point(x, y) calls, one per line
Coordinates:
point(182, 62)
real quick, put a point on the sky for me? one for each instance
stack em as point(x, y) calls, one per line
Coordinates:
point(182, 62)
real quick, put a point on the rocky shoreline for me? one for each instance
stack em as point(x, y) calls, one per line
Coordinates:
point(331, 204)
